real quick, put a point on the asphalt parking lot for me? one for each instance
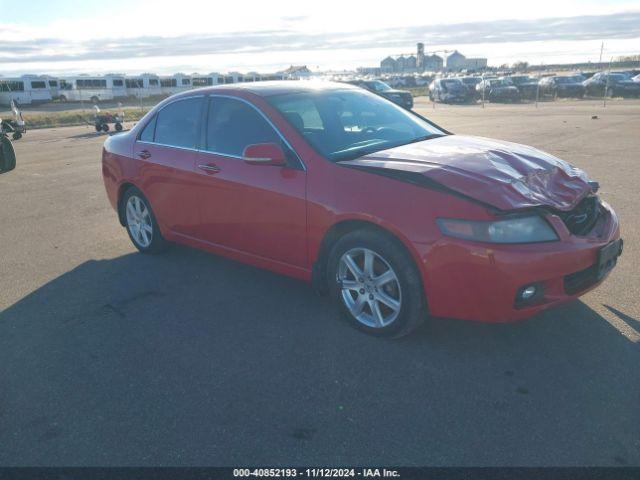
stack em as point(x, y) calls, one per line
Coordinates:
point(110, 357)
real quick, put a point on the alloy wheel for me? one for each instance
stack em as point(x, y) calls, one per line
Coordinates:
point(139, 221)
point(370, 288)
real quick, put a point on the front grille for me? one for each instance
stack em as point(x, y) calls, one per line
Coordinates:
point(578, 281)
point(582, 219)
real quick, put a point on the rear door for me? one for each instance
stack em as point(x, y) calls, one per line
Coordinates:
point(256, 209)
point(166, 147)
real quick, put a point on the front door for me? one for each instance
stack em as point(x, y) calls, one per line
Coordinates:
point(256, 209)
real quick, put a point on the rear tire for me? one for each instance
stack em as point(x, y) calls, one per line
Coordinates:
point(118, 127)
point(385, 299)
point(141, 223)
point(105, 128)
point(7, 155)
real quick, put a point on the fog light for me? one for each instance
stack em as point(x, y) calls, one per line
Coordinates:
point(528, 292)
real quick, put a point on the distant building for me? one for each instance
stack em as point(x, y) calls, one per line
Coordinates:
point(432, 63)
point(421, 62)
point(369, 70)
point(297, 71)
point(457, 61)
point(388, 65)
point(420, 57)
point(399, 64)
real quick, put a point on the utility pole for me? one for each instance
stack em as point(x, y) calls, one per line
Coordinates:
point(601, 50)
point(606, 85)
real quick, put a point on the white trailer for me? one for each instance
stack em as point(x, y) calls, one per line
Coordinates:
point(13, 89)
point(37, 88)
point(92, 89)
point(54, 86)
point(143, 86)
point(175, 84)
point(207, 80)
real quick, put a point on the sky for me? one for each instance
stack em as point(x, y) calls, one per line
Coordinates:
point(70, 37)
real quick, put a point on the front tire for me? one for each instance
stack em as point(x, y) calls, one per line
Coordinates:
point(376, 284)
point(141, 223)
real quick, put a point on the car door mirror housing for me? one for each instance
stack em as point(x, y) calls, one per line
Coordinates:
point(265, 154)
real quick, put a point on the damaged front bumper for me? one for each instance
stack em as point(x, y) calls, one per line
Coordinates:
point(483, 282)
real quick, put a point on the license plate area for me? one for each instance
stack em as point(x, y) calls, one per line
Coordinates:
point(608, 257)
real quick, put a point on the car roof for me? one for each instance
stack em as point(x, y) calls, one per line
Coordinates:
point(277, 87)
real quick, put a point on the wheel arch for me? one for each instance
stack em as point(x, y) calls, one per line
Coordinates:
point(338, 230)
point(121, 191)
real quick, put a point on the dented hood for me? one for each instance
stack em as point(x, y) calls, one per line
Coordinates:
point(501, 174)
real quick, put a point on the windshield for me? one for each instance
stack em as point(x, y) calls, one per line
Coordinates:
point(346, 124)
point(378, 86)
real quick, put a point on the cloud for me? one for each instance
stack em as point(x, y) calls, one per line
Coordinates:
point(593, 27)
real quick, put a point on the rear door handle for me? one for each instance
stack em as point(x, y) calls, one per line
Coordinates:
point(144, 154)
point(209, 168)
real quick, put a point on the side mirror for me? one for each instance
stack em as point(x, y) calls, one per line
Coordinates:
point(264, 154)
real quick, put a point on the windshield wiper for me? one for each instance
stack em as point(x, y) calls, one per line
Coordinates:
point(423, 138)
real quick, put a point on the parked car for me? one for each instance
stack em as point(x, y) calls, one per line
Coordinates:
point(449, 90)
point(391, 215)
point(526, 85)
point(498, 90)
point(399, 97)
point(470, 83)
point(616, 85)
point(562, 86)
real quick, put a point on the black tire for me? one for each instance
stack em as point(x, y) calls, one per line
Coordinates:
point(94, 99)
point(158, 244)
point(105, 128)
point(16, 135)
point(62, 99)
point(7, 155)
point(98, 127)
point(118, 127)
point(413, 309)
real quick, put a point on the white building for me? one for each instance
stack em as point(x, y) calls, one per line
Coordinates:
point(457, 61)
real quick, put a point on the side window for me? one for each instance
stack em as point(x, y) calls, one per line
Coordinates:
point(149, 130)
point(233, 125)
point(178, 124)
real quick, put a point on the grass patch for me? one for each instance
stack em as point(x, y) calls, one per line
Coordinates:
point(68, 119)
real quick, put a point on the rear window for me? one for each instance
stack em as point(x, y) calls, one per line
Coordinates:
point(178, 124)
point(148, 132)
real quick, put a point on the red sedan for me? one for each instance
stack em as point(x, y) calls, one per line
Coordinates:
point(393, 216)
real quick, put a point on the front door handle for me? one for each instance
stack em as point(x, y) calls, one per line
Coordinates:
point(144, 154)
point(209, 168)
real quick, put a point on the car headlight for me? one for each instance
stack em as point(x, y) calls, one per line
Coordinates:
point(529, 229)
